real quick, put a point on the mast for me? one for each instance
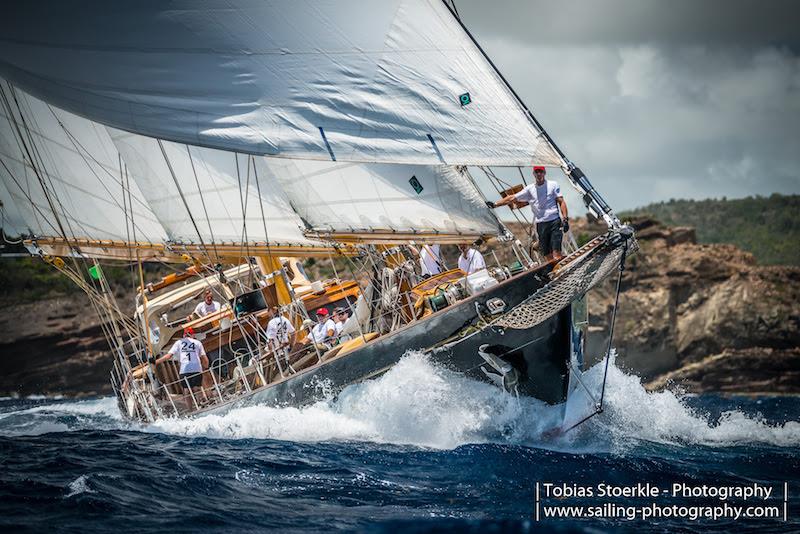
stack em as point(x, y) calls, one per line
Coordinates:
point(591, 198)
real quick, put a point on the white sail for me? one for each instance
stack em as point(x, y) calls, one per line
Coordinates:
point(202, 195)
point(380, 198)
point(73, 188)
point(395, 81)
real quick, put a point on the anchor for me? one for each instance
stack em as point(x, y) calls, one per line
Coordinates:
point(506, 376)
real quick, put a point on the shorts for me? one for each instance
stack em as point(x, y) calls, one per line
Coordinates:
point(550, 236)
point(192, 380)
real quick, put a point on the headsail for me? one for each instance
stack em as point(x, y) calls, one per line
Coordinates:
point(396, 81)
point(384, 202)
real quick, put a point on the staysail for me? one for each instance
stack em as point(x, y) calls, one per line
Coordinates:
point(382, 202)
point(396, 81)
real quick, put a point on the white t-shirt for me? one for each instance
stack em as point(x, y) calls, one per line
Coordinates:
point(319, 334)
point(339, 327)
point(279, 328)
point(204, 309)
point(542, 200)
point(472, 262)
point(188, 351)
point(429, 258)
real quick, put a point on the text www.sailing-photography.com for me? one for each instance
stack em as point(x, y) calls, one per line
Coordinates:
point(415, 265)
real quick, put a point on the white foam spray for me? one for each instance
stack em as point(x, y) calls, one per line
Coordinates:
point(78, 486)
point(634, 413)
point(48, 415)
point(422, 404)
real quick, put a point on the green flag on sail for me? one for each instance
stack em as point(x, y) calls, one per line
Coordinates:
point(95, 272)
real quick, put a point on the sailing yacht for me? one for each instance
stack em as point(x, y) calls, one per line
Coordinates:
point(231, 140)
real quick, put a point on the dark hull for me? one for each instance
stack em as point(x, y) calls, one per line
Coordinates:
point(542, 362)
point(542, 359)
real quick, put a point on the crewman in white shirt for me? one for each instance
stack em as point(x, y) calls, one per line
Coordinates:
point(280, 330)
point(324, 331)
point(430, 260)
point(340, 316)
point(549, 212)
point(209, 305)
point(191, 355)
point(470, 260)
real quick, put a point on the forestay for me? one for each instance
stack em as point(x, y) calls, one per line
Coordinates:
point(61, 177)
point(395, 81)
point(206, 196)
point(357, 198)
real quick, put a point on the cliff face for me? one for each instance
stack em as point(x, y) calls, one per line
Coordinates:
point(53, 346)
point(706, 316)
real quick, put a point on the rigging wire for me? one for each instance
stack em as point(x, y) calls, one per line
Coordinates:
point(244, 250)
point(599, 406)
point(127, 228)
point(183, 197)
point(245, 246)
point(27, 195)
point(86, 156)
point(26, 191)
point(25, 148)
point(261, 206)
point(44, 175)
point(522, 175)
point(203, 202)
point(494, 180)
point(38, 167)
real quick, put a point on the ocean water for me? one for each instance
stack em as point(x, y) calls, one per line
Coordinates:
point(420, 449)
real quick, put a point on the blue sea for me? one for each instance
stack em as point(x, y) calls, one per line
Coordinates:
point(420, 449)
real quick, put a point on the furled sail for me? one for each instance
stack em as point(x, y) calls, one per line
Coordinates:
point(207, 196)
point(61, 177)
point(383, 200)
point(395, 81)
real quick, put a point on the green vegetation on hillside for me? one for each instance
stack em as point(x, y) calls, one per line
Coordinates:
point(768, 227)
point(26, 279)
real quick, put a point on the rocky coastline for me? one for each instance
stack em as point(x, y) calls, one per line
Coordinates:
point(702, 317)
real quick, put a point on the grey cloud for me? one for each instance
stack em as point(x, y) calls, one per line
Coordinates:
point(730, 22)
point(653, 120)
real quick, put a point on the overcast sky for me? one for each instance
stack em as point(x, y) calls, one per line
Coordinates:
point(657, 99)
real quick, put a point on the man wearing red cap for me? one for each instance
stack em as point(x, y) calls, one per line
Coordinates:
point(193, 361)
point(325, 329)
point(544, 197)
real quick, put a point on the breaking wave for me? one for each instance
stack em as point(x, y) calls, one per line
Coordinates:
point(421, 404)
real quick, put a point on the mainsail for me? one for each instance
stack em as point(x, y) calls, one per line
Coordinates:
point(390, 202)
point(395, 81)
